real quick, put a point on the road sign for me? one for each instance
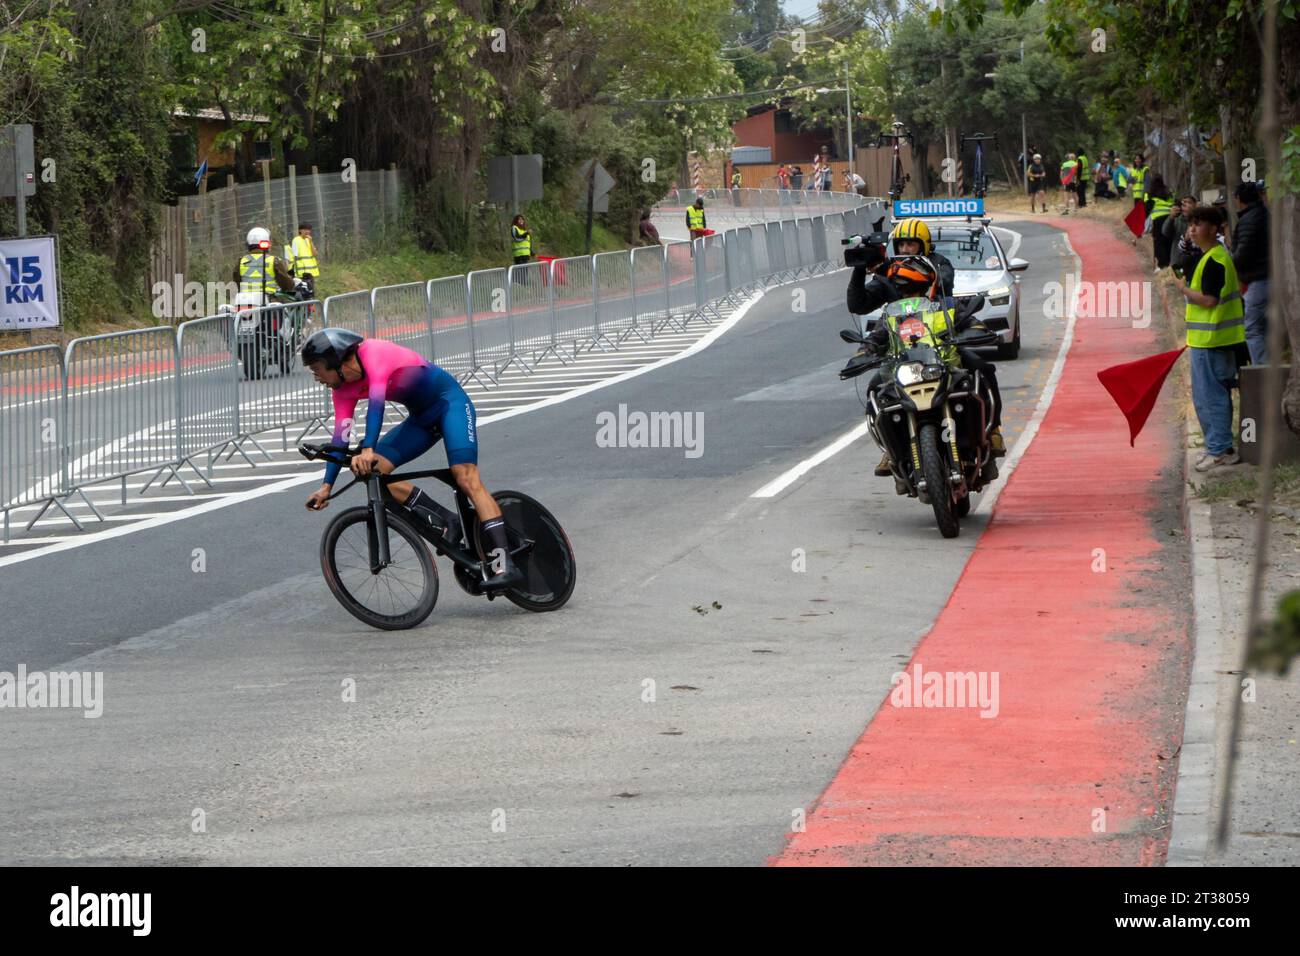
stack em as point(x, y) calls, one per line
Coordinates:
point(600, 187)
point(25, 170)
point(515, 179)
point(29, 283)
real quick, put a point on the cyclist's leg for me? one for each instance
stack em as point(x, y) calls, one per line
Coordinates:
point(460, 437)
point(404, 442)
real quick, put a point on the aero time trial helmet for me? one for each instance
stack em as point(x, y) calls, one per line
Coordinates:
point(331, 346)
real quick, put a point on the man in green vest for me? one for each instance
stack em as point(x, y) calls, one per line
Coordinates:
point(695, 221)
point(303, 260)
point(261, 275)
point(521, 241)
point(1216, 328)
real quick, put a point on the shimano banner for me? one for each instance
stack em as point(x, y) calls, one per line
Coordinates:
point(938, 207)
point(29, 283)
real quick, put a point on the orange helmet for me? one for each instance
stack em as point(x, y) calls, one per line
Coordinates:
point(913, 277)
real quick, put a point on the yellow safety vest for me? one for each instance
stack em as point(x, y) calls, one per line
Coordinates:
point(1160, 208)
point(257, 274)
point(694, 217)
point(1225, 323)
point(521, 241)
point(1139, 182)
point(304, 256)
point(936, 320)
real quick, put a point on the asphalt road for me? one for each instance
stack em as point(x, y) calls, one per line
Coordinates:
point(694, 694)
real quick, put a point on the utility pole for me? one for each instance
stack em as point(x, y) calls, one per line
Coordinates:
point(1024, 141)
point(848, 101)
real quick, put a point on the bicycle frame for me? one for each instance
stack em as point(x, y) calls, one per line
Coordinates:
point(377, 501)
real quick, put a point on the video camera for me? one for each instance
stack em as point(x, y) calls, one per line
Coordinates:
point(868, 250)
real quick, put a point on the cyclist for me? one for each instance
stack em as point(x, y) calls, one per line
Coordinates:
point(355, 367)
point(893, 280)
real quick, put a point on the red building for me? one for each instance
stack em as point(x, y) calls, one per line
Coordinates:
point(774, 128)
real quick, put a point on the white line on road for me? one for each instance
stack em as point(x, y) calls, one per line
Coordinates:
point(777, 485)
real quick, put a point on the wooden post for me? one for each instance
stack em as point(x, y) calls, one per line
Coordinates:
point(395, 193)
point(356, 216)
point(383, 202)
point(318, 228)
point(266, 195)
point(293, 200)
point(236, 241)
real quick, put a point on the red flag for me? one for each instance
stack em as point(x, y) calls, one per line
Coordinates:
point(1136, 219)
point(1067, 177)
point(1135, 385)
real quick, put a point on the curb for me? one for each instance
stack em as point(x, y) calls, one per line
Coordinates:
point(1194, 815)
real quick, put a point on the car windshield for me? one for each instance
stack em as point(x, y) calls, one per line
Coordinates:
point(968, 249)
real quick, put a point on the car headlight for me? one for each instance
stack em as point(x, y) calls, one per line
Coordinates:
point(910, 373)
point(999, 296)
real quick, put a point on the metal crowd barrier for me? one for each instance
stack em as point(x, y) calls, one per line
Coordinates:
point(156, 401)
point(32, 424)
point(532, 311)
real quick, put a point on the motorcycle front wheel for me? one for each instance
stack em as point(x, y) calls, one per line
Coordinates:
point(937, 481)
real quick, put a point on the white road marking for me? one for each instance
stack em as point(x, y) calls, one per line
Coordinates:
point(780, 483)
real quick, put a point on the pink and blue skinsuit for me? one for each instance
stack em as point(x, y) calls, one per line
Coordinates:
point(438, 407)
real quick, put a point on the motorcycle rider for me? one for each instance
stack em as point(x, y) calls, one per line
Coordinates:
point(902, 278)
point(261, 275)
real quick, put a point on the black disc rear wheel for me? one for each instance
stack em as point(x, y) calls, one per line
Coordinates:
point(541, 551)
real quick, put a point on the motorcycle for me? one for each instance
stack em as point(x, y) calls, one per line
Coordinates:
point(931, 416)
point(272, 334)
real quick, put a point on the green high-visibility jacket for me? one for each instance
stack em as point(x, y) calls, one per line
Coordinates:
point(1211, 327)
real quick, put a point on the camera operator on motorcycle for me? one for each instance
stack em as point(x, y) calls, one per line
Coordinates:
point(906, 276)
point(261, 275)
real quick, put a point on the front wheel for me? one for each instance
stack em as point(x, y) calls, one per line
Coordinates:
point(937, 482)
point(402, 594)
point(539, 548)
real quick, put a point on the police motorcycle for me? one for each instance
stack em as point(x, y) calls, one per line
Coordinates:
point(929, 414)
point(271, 334)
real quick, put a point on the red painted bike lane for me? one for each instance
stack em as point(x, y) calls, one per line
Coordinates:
point(1075, 762)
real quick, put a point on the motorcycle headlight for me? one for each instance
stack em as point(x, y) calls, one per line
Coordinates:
point(999, 296)
point(932, 373)
point(910, 373)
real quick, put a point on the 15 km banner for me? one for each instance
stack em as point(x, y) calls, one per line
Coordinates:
point(29, 284)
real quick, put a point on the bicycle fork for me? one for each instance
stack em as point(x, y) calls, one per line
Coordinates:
point(377, 526)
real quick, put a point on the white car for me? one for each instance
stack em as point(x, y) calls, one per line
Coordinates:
point(980, 265)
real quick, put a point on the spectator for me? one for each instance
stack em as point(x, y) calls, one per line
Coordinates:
point(647, 231)
point(521, 240)
point(1214, 329)
point(1119, 175)
point(796, 181)
point(1037, 183)
point(1183, 254)
point(1069, 169)
point(695, 221)
point(783, 177)
point(1101, 178)
point(1081, 177)
point(853, 183)
point(1250, 255)
point(1159, 205)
